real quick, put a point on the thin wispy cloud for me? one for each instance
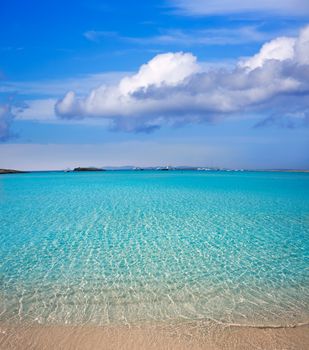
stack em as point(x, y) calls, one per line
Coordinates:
point(187, 38)
point(225, 7)
point(94, 35)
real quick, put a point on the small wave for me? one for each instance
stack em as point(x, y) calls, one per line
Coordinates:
point(263, 326)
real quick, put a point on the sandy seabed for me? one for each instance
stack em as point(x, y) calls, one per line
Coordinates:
point(193, 336)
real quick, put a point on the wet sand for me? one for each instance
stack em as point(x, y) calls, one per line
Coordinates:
point(193, 336)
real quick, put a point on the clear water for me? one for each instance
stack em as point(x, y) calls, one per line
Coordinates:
point(130, 247)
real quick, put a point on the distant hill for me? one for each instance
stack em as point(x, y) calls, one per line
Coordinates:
point(11, 171)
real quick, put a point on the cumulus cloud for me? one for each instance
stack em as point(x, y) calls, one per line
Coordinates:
point(172, 88)
point(165, 69)
point(279, 49)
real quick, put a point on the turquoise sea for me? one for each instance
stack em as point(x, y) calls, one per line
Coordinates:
point(129, 247)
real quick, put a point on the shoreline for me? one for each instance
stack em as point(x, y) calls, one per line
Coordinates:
point(192, 335)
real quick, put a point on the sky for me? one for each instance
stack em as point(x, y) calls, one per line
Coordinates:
point(219, 83)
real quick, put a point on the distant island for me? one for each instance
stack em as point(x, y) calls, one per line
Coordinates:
point(88, 169)
point(11, 171)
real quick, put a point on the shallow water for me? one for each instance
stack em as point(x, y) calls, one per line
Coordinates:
point(134, 247)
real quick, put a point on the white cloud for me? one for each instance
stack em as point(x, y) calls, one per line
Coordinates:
point(172, 88)
point(166, 69)
point(218, 7)
point(279, 49)
point(282, 49)
point(42, 107)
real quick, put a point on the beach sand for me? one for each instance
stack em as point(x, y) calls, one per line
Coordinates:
point(193, 336)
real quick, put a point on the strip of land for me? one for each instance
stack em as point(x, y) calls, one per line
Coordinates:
point(10, 171)
point(94, 169)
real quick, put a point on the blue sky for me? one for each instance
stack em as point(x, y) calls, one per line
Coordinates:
point(200, 82)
